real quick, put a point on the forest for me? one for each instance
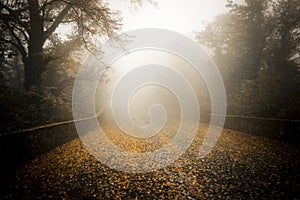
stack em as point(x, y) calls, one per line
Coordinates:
point(256, 46)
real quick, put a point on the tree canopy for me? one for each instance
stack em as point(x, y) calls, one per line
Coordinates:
point(27, 28)
point(256, 46)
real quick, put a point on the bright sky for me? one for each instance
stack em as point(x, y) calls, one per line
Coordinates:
point(183, 16)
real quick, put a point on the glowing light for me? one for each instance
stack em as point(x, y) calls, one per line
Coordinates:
point(177, 15)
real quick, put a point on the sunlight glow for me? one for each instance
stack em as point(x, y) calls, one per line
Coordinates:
point(185, 17)
point(182, 16)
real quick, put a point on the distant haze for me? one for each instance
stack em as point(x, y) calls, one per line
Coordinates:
point(183, 16)
point(144, 97)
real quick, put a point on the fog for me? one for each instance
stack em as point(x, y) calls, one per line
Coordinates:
point(144, 99)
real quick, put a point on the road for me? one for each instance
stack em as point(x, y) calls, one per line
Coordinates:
point(240, 166)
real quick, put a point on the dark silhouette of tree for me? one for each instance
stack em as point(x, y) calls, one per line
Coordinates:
point(256, 46)
point(26, 27)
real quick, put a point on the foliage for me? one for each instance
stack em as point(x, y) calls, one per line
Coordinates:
point(21, 110)
point(32, 52)
point(256, 46)
point(27, 28)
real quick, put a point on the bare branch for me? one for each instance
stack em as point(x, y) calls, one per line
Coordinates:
point(18, 48)
point(57, 21)
point(19, 42)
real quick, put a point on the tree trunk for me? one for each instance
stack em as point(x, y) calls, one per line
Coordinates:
point(33, 68)
point(34, 63)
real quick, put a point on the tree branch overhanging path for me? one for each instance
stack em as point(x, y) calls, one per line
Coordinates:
point(27, 26)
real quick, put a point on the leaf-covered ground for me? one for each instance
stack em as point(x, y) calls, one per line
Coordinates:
point(239, 167)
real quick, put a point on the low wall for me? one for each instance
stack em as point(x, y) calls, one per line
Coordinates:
point(284, 130)
point(18, 148)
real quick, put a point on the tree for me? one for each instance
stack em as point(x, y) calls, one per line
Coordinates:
point(256, 46)
point(239, 34)
point(26, 27)
point(284, 35)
